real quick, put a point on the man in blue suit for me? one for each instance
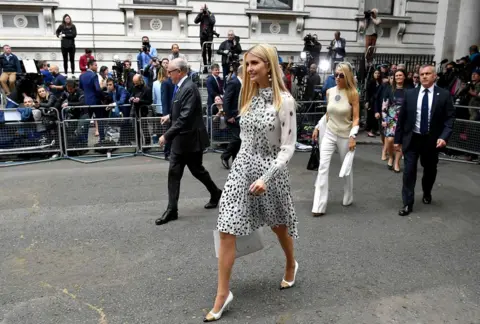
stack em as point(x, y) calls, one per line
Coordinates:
point(119, 95)
point(93, 94)
point(425, 124)
point(214, 88)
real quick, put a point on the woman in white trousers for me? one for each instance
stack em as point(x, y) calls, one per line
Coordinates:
point(341, 129)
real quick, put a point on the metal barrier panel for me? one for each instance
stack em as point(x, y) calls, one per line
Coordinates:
point(117, 136)
point(33, 141)
point(218, 129)
point(466, 131)
point(151, 129)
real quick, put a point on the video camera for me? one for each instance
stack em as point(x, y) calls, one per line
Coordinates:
point(117, 70)
point(368, 14)
point(145, 47)
point(299, 71)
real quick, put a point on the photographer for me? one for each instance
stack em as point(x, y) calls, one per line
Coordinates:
point(207, 21)
point(312, 47)
point(313, 81)
point(145, 54)
point(47, 76)
point(336, 50)
point(150, 71)
point(230, 50)
point(372, 28)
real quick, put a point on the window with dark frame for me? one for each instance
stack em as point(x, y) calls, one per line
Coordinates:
point(385, 7)
point(156, 2)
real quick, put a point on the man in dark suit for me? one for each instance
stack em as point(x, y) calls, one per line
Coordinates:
point(188, 137)
point(214, 88)
point(230, 106)
point(93, 94)
point(424, 126)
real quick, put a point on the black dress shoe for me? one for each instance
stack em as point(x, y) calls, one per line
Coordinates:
point(225, 163)
point(427, 199)
point(213, 203)
point(168, 215)
point(405, 211)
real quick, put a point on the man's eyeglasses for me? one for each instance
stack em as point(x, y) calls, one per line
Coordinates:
point(170, 71)
point(416, 77)
point(339, 75)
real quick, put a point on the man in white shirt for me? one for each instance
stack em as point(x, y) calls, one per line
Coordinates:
point(424, 126)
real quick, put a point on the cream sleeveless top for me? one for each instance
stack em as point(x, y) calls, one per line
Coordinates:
point(340, 113)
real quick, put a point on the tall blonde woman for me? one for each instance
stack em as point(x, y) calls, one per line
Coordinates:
point(342, 128)
point(257, 192)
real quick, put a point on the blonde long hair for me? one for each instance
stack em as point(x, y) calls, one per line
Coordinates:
point(267, 54)
point(162, 74)
point(351, 85)
point(46, 94)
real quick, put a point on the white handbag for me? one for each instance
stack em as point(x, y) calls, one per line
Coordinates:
point(244, 245)
point(347, 164)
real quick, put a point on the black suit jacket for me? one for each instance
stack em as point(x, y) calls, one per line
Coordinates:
point(442, 117)
point(231, 98)
point(187, 133)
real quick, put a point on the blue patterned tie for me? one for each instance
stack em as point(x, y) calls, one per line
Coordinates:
point(424, 117)
point(174, 92)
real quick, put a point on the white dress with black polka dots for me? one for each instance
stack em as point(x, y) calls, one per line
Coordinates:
point(268, 143)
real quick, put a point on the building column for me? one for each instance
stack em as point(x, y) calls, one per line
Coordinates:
point(468, 29)
point(446, 29)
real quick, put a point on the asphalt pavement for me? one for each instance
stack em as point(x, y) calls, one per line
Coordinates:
point(78, 244)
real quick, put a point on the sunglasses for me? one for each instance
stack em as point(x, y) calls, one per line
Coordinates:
point(339, 75)
point(170, 71)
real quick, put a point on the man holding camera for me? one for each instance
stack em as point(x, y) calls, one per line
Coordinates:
point(146, 53)
point(150, 71)
point(313, 47)
point(230, 50)
point(337, 50)
point(474, 92)
point(207, 21)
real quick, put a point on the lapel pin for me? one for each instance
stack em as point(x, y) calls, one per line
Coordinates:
point(438, 93)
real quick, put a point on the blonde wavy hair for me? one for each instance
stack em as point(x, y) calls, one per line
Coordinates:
point(162, 74)
point(350, 83)
point(46, 94)
point(269, 55)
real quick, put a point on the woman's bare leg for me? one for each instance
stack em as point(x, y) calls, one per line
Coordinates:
point(390, 150)
point(226, 258)
point(286, 241)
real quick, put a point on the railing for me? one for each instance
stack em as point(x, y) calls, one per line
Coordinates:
point(35, 141)
point(117, 135)
point(74, 138)
point(466, 132)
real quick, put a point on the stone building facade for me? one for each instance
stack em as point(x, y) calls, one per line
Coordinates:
point(444, 28)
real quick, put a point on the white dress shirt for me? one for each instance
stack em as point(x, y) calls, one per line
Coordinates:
point(179, 84)
point(419, 107)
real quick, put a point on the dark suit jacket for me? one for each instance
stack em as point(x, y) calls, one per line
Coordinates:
point(187, 133)
point(167, 88)
point(442, 117)
point(213, 90)
point(91, 88)
point(231, 98)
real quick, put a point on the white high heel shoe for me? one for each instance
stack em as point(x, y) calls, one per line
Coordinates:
point(216, 316)
point(289, 284)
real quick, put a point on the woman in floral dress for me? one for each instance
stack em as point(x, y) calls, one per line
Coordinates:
point(392, 101)
point(257, 192)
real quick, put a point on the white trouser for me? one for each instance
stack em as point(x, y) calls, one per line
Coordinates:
point(331, 141)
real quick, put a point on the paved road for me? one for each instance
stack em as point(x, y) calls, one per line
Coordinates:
point(78, 245)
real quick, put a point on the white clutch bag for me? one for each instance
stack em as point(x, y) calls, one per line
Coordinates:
point(244, 244)
point(347, 164)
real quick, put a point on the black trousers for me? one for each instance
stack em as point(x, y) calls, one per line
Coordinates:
point(372, 122)
point(65, 53)
point(194, 162)
point(424, 148)
point(207, 49)
point(235, 143)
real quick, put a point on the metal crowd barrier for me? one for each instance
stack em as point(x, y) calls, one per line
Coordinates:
point(466, 133)
point(117, 135)
point(38, 139)
point(220, 134)
point(151, 129)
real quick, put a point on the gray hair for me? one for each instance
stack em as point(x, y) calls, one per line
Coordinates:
point(424, 66)
point(181, 64)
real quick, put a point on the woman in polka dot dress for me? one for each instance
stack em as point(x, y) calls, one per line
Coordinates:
point(257, 192)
